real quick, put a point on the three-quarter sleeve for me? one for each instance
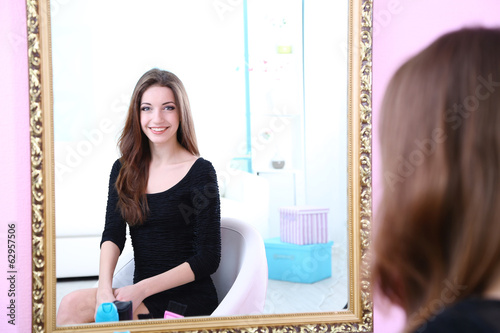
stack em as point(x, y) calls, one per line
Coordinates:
point(115, 226)
point(206, 219)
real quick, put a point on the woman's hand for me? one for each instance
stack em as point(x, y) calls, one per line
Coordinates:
point(132, 293)
point(103, 296)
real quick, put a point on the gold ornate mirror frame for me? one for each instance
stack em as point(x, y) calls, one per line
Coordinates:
point(359, 315)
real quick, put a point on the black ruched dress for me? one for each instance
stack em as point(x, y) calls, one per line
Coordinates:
point(183, 226)
point(470, 315)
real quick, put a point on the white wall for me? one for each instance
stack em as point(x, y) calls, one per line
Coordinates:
point(325, 64)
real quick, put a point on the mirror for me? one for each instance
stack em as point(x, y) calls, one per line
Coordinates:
point(62, 144)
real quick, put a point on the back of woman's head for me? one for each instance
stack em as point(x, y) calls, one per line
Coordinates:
point(437, 241)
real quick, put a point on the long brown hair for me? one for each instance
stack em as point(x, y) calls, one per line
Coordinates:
point(134, 144)
point(437, 240)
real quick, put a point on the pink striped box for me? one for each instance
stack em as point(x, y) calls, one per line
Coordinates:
point(304, 225)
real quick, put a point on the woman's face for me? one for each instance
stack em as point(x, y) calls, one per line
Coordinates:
point(159, 115)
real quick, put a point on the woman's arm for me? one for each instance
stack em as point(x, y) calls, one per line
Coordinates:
point(172, 278)
point(206, 224)
point(112, 242)
point(107, 264)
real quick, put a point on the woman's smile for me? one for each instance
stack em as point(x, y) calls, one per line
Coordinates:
point(158, 130)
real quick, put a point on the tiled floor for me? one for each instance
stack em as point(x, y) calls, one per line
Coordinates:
point(282, 297)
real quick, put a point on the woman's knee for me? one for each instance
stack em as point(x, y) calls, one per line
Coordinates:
point(74, 298)
point(75, 305)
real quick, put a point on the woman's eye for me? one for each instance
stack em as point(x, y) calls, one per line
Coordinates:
point(145, 108)
point(169, 107)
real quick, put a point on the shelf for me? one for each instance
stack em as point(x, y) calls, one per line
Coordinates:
point(284, 170)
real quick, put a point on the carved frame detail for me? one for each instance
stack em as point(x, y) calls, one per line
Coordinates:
point(360, 176)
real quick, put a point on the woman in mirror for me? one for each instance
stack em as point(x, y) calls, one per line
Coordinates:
point(437, 249)
point(169, 198)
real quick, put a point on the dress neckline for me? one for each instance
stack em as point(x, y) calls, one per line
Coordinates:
point(179, 182)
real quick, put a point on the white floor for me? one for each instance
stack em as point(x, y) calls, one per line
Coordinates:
point(282, 297)
point(326, 295)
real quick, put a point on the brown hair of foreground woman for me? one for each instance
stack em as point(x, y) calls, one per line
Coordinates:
point(438, 241)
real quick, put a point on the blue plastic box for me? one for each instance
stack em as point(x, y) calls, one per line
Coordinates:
point(298, 263)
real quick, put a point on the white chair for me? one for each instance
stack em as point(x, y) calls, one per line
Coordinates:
point(240, 280)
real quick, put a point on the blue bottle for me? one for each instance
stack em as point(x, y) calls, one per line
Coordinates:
point(106, 312)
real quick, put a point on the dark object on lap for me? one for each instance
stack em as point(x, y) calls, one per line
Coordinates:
point(124, 310)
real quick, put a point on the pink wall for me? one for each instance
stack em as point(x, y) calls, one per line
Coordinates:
point(402, 27)
point(15, 198)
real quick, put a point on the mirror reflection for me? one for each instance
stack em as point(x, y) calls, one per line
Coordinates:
point(267, 83)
